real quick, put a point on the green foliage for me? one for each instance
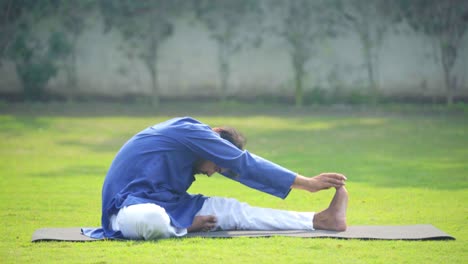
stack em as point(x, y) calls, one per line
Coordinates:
point(303, 25)
point(59, 46)
point(18, 16)
point(357, 97)
point(233, 25)
point(35, 59)
point(445, 23)
point(34, 64)
point(144, 25)
point(315, 96)
point(370, 21)
point(34, 77)
point(73, 18)
point(322, 96)
point(73, 14)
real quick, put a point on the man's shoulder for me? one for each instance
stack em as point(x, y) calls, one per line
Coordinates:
point(186, 119)
point(181, 125)
point(178, 121)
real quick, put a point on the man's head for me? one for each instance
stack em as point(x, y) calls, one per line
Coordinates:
point(232, 135)
point(228, 133)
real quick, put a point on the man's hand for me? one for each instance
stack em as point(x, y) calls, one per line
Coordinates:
point(320, 182)
point(327, 180)
point(203, 223)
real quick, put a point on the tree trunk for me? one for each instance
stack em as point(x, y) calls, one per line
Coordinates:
point(298, 65)
point(151, 62)
point(72, 79)
point(224, 69)
point(448, 85)
point(298, 76)
point(368, 58)
point(154, 85)
point(447, 66)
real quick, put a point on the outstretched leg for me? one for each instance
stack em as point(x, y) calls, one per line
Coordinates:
point(334, 217)
point(234, 215)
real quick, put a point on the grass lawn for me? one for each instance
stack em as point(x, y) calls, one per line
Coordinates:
point(402, 167)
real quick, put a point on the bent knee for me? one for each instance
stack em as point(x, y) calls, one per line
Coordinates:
point(145, 221)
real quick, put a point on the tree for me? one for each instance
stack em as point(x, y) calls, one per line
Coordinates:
point(72, 16)
point(11, 11)
point(302, 24)
point(145, 25)
point(16, 17)
point(370, 20)
point(36, 63)
point(445, 23)
point(34, 59)
point(232, 24)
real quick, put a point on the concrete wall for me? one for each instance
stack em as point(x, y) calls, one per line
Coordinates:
point(188, 67)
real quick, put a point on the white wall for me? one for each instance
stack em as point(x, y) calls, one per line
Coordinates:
point(188, 66)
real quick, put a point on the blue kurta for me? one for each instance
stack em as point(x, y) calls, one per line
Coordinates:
point(157, 166)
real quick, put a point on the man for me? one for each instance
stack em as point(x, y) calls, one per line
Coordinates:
point(144, 195)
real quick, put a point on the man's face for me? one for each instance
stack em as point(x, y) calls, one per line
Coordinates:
point(208, 168)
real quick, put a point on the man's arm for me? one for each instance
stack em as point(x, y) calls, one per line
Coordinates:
point(252, 170)
point(245, 167)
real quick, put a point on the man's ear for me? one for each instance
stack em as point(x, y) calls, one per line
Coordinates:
point(217, 130)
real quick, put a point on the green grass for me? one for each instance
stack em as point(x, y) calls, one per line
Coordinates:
point(403, 168)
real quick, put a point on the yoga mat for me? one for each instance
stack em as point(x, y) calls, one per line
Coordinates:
point(408, 232)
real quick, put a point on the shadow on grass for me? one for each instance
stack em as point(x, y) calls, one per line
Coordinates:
point(216, 109)
point(349, 145)
point(107, 146)
point(378, 175)
point(97, 109)
point(402, 178)
point(21, 124)
point(78, 170)
point(370, 151)
point(376, 152)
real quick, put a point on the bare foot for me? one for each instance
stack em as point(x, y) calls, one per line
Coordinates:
point(334, 217)
point(203, 223)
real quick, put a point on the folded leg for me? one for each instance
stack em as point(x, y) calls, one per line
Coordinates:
point(145, 221)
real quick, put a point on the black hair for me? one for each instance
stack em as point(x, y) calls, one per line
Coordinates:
point(232, 135)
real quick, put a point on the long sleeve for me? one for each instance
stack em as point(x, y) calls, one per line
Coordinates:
point(243, 166)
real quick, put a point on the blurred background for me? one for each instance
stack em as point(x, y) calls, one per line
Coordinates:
point(297, 52)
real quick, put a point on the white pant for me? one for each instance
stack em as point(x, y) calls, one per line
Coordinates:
point(150, 221)
point(145, 221)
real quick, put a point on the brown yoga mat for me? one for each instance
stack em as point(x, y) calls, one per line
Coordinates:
point(408, 232)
